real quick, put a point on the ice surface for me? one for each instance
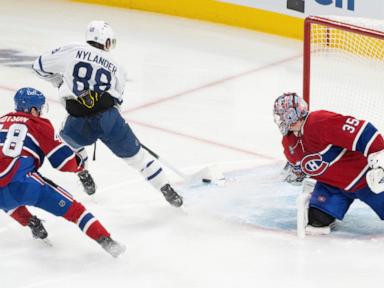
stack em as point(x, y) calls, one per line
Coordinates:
point(199, 94)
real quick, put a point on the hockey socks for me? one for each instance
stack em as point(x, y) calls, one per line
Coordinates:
point(21, 215)
point(148, 167)
point(86, 221)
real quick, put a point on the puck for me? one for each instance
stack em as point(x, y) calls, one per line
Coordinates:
point(206, 180)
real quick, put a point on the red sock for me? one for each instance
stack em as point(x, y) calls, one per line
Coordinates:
point(21, 215)
point(92, 227)
point(96, 230)
point(74, 212)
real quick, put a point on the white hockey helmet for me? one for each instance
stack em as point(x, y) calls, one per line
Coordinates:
point(287, 110)
point(102, 33)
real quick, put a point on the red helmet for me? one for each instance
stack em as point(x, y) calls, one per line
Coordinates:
point(287, 110)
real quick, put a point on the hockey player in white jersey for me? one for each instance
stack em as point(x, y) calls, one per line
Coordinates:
point(91, 86)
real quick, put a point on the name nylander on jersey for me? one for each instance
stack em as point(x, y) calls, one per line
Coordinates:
point(95, 58)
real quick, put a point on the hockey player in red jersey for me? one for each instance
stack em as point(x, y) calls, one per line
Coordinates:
point(340, 152)
point(26, 139)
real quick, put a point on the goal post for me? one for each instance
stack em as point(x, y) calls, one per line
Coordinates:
point(344, 66)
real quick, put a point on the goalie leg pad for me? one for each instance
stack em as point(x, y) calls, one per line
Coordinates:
point(318, 218)
point(319, 222)
point(302, 203)
point(149, 167)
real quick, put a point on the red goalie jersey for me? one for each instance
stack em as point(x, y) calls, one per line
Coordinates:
point(333, 149)
point(25, 137)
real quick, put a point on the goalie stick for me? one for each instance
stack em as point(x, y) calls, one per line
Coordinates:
point(204, 175)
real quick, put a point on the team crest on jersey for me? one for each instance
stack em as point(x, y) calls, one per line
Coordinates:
point(313, 165)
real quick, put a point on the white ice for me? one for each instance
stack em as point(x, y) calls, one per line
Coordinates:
point(199, 94)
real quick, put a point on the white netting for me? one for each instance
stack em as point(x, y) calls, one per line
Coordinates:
point(347, 70)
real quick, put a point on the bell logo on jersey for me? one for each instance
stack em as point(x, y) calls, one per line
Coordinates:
point(313, 165)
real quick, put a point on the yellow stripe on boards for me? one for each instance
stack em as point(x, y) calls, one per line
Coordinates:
point(214, 11)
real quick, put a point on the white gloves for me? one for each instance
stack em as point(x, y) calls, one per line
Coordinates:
point(376, 160)
point(375, 176)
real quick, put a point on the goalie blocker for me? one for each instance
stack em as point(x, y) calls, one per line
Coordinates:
point(375, 176)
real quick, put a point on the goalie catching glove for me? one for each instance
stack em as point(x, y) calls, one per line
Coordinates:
point(375, 176)
point(295, 175)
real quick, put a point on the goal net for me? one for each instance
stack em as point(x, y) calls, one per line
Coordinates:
point(344, 66)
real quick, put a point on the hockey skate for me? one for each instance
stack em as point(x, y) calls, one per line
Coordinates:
point(171, 196)
point(111, 246)
point(37, 228)
point(87, 182)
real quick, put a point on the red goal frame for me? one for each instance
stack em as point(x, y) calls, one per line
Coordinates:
point(328, 23)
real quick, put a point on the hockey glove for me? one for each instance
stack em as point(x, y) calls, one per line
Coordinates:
point(375, 176)
point(375, 180)
point(376, 160)
point(295, 175)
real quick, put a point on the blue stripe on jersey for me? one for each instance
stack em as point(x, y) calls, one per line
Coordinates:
point(332, 154)
point(365, 137)
point(42, 69)
point(29, 143)
point(62, 154)
point(85, 220)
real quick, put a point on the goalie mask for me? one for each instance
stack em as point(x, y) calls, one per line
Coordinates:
point(101, 32)
point(287, 110)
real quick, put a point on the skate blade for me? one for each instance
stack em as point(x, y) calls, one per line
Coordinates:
point(46, 241)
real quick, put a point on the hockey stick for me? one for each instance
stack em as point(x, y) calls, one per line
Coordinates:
point(205, 175)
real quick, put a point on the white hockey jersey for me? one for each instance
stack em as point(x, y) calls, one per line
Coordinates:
point(82, 67)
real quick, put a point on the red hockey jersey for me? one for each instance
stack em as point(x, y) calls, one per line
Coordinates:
point(24, 135)
point(333, 149)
